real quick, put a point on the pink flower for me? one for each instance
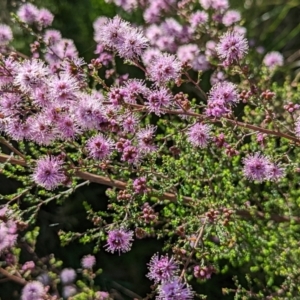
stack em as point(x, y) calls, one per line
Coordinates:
point(33, 290)
point(52, 36)
point(149, 55)
point(158, 99)
point(67, 275)
point(99, 147)
point(188, 53)
point(101, 296)
point(88, 261)
point(256, 167)
point(4, 237)
point(31, 75)
point(220, 5)
point(162, 269)
point(119, 240)
point(164, 68)
point(88, 111)
point(28, 13)
point(225, 91)
point(63, 88)
point(199, 135)
point(41, 129)
point(134, 44)
point(231, 17)
point(275, 172)
point(120, 36)
point(198, 18)
point(174, 290)
point(44, 17)
point(273, 59)
point(8, 69)
point(28, 265)
point(145, 139)
point(67, 127)
point(48, 172)
point(131, 154)
point(232, 47)
point(5, 34)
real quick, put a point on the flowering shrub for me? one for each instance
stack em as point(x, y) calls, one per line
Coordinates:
point(211, 172)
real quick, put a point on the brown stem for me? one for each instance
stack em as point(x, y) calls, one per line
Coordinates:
point(12, 148)
point(13, 277)
point(196, 84)
point(15, 161)
point(226, 119)
point(199, 237)
point(169, 196)
point(125, 291)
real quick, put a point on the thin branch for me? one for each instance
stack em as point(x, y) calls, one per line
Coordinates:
point(13, 277)
point(15, 161)
point(69, 191)
point(224, 119)
point(168, 196)
point(12, 148)
point(125, 291)
point(199, 237)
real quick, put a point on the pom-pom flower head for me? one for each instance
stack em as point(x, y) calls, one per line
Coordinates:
point(231, 17)
point(199, 135)
point(119, 240)
point(69, 291)
point(162, 269)
point(28, 13)
point(256, 167)
point(273, 59)
point(4, 237)
point(226, 91)
point(259, 167)
point(157, 100)
point(99, 147)
point(119, 35)
point(31, 75)
point(275, 172)
point(174, 290)
point(5, 34)
point(232, 47)
point(64, 88)
point(219, 5)
point(67, 276)
point(88, 261)
point(164, 68)
point(45, 17)
point(145, 138)
point(33, 290)
point(48, 172)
